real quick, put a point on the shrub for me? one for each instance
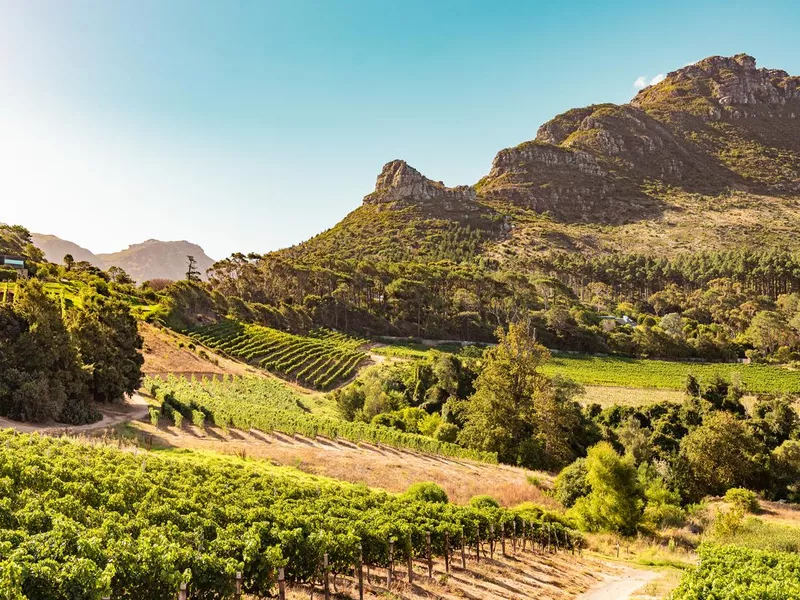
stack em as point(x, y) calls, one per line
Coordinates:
point(177, 418)
point(426, 491)
point(446, 432)
point(743, 499)
point(483, 501)
point(154, 416)
point(571, 483)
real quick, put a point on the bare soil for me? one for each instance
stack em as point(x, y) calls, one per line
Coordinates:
point(383, 467)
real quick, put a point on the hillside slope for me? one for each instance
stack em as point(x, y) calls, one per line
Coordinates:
point(709, 158)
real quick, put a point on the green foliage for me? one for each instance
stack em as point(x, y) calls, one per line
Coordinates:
point(519, 413)
point(320, 361)
point(616, 500)
point(40, 370)
point(108, 341)
point(572, 483)
point(735, 573)
point(483, 501)
point(426, 491)
point(86, 521)
point(267, 405)
point(743, 499)
point(640, 373)
point(722, 453)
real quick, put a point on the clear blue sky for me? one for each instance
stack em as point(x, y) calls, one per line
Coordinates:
point(249, 126)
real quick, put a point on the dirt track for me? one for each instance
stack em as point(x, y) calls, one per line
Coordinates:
point(133, 409)
point(620, 586)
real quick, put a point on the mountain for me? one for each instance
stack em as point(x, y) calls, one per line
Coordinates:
point(151, 259)
point(55, 249)
point(709, 158)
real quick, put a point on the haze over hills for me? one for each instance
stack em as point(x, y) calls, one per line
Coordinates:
point(152, 259)
point(709, 158)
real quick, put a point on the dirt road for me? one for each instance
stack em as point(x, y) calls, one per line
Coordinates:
point(133, 409)
point(620, 586)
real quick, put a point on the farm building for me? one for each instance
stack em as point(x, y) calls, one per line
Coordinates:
point(15, 262)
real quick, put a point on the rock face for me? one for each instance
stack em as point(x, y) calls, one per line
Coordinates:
point(713, 126)
point(400, 183)
point(733, 82)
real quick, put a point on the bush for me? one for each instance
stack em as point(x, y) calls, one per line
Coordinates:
point(571, 483)
point(177, 418)
point(426, 491)
point(154, 416)
point(743, 499)
point(446, 432)
point(483, 501)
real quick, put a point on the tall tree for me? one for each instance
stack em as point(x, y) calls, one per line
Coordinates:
point(192, 274)
point(516, 410)
point(109, 343)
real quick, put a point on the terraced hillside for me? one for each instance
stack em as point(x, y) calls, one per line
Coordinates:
point(320, 361)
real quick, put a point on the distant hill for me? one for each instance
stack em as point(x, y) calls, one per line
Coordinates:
point(151, 259)
point(55, 249)
point(707, 159)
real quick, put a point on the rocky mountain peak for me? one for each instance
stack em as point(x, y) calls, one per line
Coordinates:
point(400, 182)
point(729, 85)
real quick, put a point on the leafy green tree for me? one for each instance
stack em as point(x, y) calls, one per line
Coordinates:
point(768, 330)
point(722, 453)
point(616, 500)
point(516, 410)
point(109, 342)
point(636, 440)
point(40, 371)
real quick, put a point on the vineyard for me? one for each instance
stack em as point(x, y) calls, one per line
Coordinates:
point(644, 373)
point(256, 403)
point(736, 573)
point(84, 522)
point(321, 361)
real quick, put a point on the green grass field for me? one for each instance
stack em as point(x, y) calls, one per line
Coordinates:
point(631, 374)
point(642, 373)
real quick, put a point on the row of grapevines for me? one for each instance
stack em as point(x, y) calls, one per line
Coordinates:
point(292, 356)
point(81, 522)
point(737, 573)
point(266, 405)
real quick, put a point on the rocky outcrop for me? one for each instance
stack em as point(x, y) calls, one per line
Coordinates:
point(596, 163)
point(398, 182)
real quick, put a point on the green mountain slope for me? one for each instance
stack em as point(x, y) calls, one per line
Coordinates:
point(708, 159)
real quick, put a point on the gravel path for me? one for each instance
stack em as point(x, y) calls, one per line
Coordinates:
point(621, 586)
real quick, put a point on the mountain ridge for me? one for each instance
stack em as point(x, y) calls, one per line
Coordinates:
point(151, 259)
point(709, 157)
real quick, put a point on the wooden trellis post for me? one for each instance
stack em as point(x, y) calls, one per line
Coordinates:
point(360, 572)
point(491, 541)
point(523, 536)
point(325, 583)
point(446, 552)
point(182, 592)
point(514, 536)
point(238, 593)
point(281, 584)
point(391, 565)
point(478, 544)
point(503, 538)
point(463, 550)
point(430, 558)
point(410, 559)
